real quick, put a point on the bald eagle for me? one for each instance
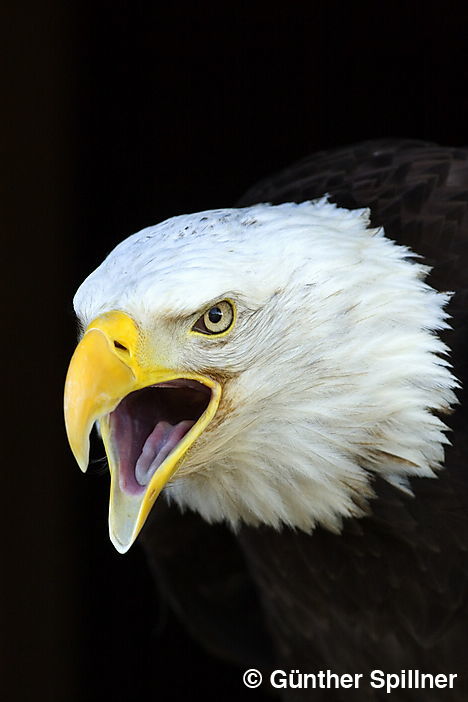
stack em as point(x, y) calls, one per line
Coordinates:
point(285, 373)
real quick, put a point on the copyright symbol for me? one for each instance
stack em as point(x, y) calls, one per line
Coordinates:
point(252, 678)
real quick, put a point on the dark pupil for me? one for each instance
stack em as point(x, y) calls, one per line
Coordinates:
point(215, 315)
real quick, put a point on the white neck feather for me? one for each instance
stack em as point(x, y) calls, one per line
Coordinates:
point(344, 377)
point(334, 362)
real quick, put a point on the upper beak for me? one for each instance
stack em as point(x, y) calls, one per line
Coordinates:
point(111, 361)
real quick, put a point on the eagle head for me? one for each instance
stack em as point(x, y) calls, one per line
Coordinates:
point(259, 365)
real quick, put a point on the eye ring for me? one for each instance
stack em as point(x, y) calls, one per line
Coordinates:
point(218, 319)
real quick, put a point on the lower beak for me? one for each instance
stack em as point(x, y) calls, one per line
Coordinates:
point(109, 363)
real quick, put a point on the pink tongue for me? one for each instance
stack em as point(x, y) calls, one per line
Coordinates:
point(158, 446)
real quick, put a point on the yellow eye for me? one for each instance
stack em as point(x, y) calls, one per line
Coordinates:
point(216, 320)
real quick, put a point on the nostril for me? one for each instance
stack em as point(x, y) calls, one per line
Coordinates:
point(118, 345)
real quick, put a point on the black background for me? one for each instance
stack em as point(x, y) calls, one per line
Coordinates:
point(117, 115)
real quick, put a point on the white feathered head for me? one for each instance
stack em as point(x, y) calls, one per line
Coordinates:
point(259, 365)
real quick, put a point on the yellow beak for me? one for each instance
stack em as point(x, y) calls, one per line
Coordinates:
point(112, 360)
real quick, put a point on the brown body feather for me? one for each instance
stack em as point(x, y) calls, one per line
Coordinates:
point(390, 592)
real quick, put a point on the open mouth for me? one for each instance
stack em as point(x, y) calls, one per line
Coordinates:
point(150, 416)
point(149, 424)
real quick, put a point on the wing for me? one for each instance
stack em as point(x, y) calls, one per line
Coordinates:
point(390, 592)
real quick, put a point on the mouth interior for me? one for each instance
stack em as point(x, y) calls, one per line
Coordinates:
point(148, 424)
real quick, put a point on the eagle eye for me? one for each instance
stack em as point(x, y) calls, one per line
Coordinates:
point(217, 320)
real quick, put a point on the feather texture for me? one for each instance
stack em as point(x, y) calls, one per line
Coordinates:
point(335, 370)
point(357, 411)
